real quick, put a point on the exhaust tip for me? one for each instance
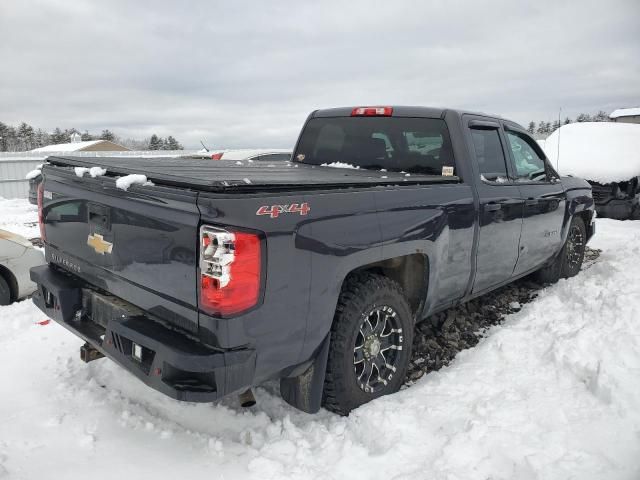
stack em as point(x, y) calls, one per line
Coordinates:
point(247, 399)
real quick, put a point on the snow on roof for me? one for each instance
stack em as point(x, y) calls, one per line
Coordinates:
point(67, 147)
point(599, 151)
point(625, 112)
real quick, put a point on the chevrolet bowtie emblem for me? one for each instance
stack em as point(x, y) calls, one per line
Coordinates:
point(99, 244)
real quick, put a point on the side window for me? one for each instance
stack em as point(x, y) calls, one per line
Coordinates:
point(490, 156)
point(530, 166)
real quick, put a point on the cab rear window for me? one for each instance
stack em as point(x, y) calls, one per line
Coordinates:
point(412, 145)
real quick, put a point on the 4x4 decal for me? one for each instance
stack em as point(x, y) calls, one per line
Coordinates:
point(274, 211)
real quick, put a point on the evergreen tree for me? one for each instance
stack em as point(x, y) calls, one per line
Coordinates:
point(107, 135)
point(601, 116)
point(12, 139)
point(567, 121)
point(531, 128)
point(86, 136)
point(4, 139)
point(66, 135)
point(542, 127)
point(41, 138)
point(57, 137)
point(583, 117)
point(155, 143)
point(173, 144)
point(555, 126)
point(25, 136)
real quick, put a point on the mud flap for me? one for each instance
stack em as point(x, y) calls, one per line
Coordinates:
point(305, 391)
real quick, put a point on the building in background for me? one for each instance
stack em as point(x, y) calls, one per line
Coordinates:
point(76, 146)
point(626, 115)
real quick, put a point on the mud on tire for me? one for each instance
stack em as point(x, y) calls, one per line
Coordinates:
point(370, 343)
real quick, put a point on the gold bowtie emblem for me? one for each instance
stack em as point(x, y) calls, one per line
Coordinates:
point(98, 243)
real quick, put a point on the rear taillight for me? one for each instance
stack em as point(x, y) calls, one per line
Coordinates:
point(217, 156)
point(230, 265)
point(372, 112)
point(43, 236)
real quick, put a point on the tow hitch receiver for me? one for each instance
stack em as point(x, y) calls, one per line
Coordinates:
point(89, 354)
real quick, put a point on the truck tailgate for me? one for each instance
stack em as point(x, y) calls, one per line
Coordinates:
point(140, 247)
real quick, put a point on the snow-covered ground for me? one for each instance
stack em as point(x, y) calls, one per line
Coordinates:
point(553, 393)
point(19, 216)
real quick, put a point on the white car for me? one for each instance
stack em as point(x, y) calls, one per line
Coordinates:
point(255, 154)
point(17, 256)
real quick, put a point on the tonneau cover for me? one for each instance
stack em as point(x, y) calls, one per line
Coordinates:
point(221, 176)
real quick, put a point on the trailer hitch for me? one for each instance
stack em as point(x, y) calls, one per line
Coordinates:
point(89, 354)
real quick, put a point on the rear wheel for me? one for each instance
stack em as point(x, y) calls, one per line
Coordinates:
point(370, 343)
point(5, 292)
point(569, 261)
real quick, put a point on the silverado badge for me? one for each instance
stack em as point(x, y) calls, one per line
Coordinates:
point(99, 244)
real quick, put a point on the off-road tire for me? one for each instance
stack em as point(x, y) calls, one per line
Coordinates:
point(569, 261)
point(5, 292)
point(361, 295)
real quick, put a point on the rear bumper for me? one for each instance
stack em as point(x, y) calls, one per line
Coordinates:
point(172, 362)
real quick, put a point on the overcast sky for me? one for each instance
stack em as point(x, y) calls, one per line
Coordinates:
point(246, 74)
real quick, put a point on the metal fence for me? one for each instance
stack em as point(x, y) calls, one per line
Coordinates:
point(13, 168)
point(15, 165)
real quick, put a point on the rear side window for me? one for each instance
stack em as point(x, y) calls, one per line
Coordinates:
point(489, 154)
point(399, 144)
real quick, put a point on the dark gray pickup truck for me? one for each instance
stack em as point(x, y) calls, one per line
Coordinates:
point(204, 279)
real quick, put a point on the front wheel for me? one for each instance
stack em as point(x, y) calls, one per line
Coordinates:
point(569, 261)
point(370, 343)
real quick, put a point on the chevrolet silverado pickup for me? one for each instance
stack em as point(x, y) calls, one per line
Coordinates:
point(208, 278)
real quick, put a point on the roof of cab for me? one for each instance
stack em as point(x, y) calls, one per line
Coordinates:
point(412, 111)
point(398, 111)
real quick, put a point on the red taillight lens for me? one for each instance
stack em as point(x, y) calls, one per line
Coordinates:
point(230, 265)
point(217, 156)
point(372, 112)
point(43, 235)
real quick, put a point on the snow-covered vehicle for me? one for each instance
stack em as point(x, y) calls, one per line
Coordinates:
point(17, 256)
point(607, 155)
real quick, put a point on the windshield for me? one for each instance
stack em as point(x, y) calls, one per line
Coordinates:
point(412, 145)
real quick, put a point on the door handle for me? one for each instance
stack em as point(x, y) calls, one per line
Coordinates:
point(531, 201)
point(492, 207)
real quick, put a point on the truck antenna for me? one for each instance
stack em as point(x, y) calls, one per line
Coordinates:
point(205, 147)
point(559, 132)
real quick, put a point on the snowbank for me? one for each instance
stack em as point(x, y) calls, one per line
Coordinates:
point(125, 182)
point(551, 394)
point(599, 151)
